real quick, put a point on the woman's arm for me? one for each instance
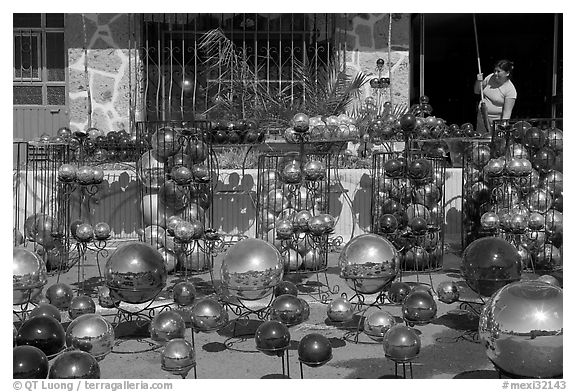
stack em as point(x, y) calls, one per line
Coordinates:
point(508, 106)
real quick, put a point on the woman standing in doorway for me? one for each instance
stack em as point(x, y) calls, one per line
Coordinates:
point(499, 94)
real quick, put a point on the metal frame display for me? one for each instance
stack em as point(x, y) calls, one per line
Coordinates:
point(287, 191)
point(520, 204)
point(177, 174)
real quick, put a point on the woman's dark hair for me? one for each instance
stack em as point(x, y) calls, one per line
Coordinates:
point(505, 65)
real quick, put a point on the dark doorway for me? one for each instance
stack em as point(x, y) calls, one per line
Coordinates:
point(450, 61)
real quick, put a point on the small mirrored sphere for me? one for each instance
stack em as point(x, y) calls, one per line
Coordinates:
point(60, 295)
point(208, 315)
point(419, 308)
point(167, 325)
point(74, 365)
point(314, 350)
point(549, 279)
point(521, 328)
point(91, 333)
point(80, 305)
point(448, 292)
point(286, 287)
point(184, 293)
point(287, 309)
point(272, 338)
point(401, 343)
point(178, 357)
point(377, 323)
point(46, 309)
point(340, 310)
point(398, 291)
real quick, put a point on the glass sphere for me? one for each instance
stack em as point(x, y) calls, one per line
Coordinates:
point(74, 365)
point(251, 269)
point(369, 263)
point(167, 325)
point(135, 273)
point(340, 310)
point(43, 332)
point(314, 350)
point(521, 328)
point(377, 323)
point(91, 333)
point(490, 263)
point(178, 357)
point(272, 338)
point(401, 343)
point(28, 275)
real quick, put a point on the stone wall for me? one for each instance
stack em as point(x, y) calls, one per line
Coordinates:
point(102, 70)
point(367, 37)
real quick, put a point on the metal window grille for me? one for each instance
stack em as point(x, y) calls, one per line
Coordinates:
point(176, 84)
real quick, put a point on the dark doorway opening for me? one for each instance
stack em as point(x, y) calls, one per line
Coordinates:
point(450, 61)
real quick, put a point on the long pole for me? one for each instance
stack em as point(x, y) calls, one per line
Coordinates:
point(483, 110)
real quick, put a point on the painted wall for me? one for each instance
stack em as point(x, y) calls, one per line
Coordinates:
point(102, 68)
point(367, 39)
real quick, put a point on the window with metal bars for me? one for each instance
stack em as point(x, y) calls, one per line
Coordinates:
point(39, 59)
point(181, 81)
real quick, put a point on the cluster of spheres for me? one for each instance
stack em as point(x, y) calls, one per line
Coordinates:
point(84, 232)
point(517, 189)
point(82, 175)
point(321, 128)
point(41, 336)
point(382, 123)
point(178, 180)
point(230, 132)
point(408, 202)
point(96, 146)
point(292, 210)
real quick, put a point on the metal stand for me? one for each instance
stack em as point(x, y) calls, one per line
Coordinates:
point(403, 363)
point(141, 317)
point(243, 313)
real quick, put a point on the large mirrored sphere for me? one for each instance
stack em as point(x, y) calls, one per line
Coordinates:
point(369, 263)
point(490, 263)
point(135, 273)
point(521, 328)
point(251, 269)
point(28, 275)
